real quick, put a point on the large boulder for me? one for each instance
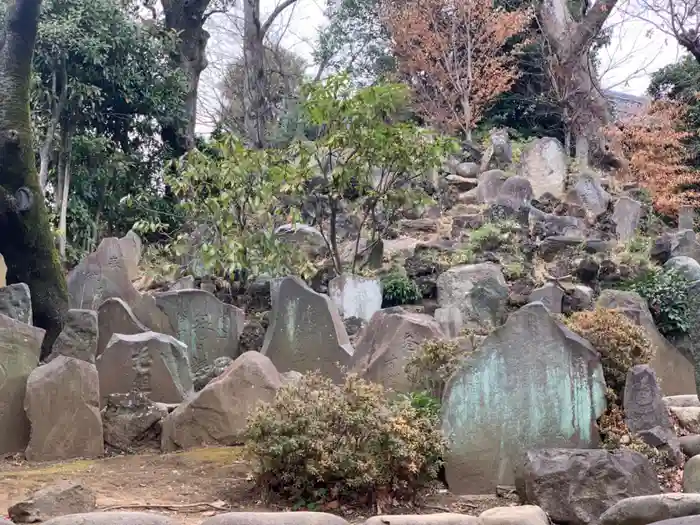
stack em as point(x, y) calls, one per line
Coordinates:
point(78, 338)
point(217, 415)
point(577, 486)
point(478, 290)
point(20, 346)
point(63, 406)
point(685, 266)
point(589, 194)
point(544, 162)
point(155, 364)
point(532, 384)
point(209, 327)
point(66, 497)
point(16, 302)
point(489, 188)
point(128, 419)
point(386, 344)
point(306, 332)
point(642, 510)
point(276, 518)
point(673, 369)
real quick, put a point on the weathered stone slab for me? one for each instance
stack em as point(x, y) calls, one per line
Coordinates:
point(578, 486)
point(532, 384)
point(520, 515)
point(103, 275)
point(626, 217)
point(115, 317)
point(78, 338)
point(478, 290)
point(673, 370)
point(131, 250)
point(515, 193)
point(441, 518)
point(544, 163)
point(490, 184)
point(63, 406)
point(66, 497)
point(217, 415)
point(356, 296)
point(306, 332)
point(550, 295)
point(643, 403)
point(20, 345)
point(16, 302)
point(155, 364)
point(386, 344)
point(686, 218)
point(589, 194)
point(208, 327)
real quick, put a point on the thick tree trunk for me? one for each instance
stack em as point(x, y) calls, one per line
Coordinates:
point(26, 241)
point(257, 111)
point(571, 43)
point(187, 18)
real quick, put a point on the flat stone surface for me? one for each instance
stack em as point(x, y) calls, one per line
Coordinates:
point(275, 518)
point(306, 332)
point(521, 515)
point(626, 217)
point(112, 518)
point(642, 510)
point(545, 163)
point(532, 384)
point(155, 364)
point(209, 327)
point(424, 519)
point(63, 406)
point(20, 345)
point(356, 296)
point(643, 404)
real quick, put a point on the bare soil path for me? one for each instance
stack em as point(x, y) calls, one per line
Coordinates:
point(217, 477)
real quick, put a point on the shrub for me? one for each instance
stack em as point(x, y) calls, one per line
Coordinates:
point(398, 289)
point(430, 366)
point(621, 343)
point(667, 294)
point(343, 440)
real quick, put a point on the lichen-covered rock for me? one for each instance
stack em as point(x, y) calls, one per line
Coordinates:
point(129, 418)
point(577, 486)
point(217, 415)
point(16, 302)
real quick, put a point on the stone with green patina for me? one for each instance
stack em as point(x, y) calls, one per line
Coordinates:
point(209, 327)
point(20, 345)
point(531, 384)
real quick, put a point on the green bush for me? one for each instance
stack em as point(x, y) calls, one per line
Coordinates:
point(320, 439)
point(430, 366)
point(667, 293)
point(621, 343)
point(398, 289)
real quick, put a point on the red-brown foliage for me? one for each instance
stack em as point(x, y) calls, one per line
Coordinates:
point(653, 143)
point(452, 54)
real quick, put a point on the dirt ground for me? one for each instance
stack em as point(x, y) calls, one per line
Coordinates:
point(216, 477)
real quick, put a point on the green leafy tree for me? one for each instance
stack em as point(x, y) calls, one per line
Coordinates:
point(363, 160)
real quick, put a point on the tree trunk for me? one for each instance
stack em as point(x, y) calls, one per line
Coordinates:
point(59, 97)
point(67, 150)
point(257, 111)
point(187, 18)
point(571, 43)
point(26, 241)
